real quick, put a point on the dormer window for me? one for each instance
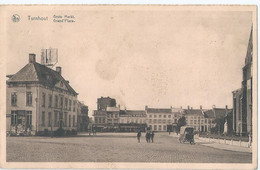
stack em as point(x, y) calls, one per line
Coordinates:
point(61, 84)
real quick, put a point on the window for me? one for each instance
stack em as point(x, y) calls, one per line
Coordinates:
point(65, 118)
point(61, 102)
point(160, 121)
point(155, 127)
point(155, 121)
point(14, 99)
point(164, 127)
point(104, 120)
point(74, 103)
point(49, 119)
point(136, 121)
point(13, 117)
point(191, 121)
point(164, 121)
point(150, 115)
point(70, 120)
point(160, 127)
point(56, 101)
point(150, 126)
point(43, 118)
point(28, 98)
point(155, 116)
point(66, 103)
point(115, 115)
point(50, 100)
point(202, 121)
point(73, 120)
point(206, 120)
point(150, 120)
point(43, 99)
point(56, 119)
point(160, 116)
point(164, 116)
point(169, 121)
point(29, 118)
point(195, 121)
point(60, 115)
point(169, 116)
point(69, 105)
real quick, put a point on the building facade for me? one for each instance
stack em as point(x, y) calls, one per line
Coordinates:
point(159, 119)
point(39, 99)
point(197, 119)
point(242, 98)
point(132, 120)
point(82, 117)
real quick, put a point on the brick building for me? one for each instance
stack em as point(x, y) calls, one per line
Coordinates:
point(39, 99)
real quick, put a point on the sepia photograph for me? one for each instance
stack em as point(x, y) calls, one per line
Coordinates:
point(129, 86)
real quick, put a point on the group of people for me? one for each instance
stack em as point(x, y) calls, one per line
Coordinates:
point(149, 136)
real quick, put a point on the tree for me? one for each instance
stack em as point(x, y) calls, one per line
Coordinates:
point(181, 122)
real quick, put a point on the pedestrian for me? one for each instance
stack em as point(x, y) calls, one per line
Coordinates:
point(147, 136)
point(169, 132)
point(139, 136)
point(152, 136)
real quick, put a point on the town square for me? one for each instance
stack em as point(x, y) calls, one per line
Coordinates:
point(120, 147)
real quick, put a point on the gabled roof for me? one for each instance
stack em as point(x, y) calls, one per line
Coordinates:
point(35, 72)
point(209, 114)
point(217, 113)
point(158, 110)
point(193, 112)
point(221, 113)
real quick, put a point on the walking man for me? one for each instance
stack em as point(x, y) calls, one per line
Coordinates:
point(147, 136)
point(152, 136)
point(139, 136)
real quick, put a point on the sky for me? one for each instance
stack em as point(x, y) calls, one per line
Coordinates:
point(159, 58)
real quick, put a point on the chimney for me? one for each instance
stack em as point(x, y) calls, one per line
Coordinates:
point(119, 106)
point(146, 107)
point(214, 106)
point(226, 107)
point(32, 58)
point(58, 69)
point(188, 107)
point(200, 107)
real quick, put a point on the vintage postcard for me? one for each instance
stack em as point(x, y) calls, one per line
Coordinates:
point(128, 86)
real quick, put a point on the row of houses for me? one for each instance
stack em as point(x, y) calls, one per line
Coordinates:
point(109, 117)
point(39, 99)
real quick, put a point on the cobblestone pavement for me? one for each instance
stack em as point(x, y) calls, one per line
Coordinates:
point(116, 147)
